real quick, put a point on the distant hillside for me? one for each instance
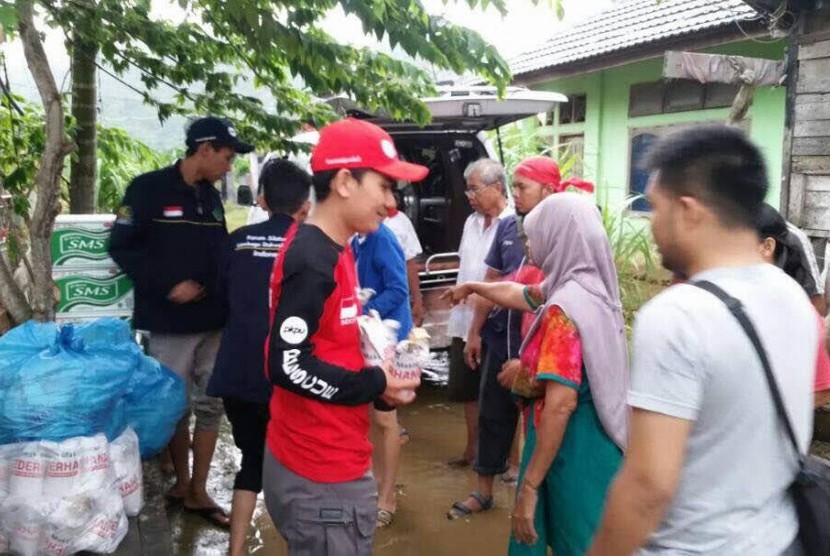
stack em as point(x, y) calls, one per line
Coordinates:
point(118, 105)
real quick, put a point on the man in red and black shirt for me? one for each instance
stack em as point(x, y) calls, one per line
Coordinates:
point(317, 480)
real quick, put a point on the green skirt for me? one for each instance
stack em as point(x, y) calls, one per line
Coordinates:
point(573, 493)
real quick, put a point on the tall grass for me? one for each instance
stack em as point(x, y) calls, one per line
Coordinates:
point(640, 275)
point(530, 138)
point(638, 268)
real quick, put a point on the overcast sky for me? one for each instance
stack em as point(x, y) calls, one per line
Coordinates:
point(526, 24)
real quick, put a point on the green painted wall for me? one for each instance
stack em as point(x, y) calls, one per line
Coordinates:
point(608, 128)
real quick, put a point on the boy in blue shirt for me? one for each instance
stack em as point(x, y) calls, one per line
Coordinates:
point(381, 266)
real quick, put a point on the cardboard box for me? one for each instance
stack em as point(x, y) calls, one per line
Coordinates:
point(93, 291)
point(82, 240)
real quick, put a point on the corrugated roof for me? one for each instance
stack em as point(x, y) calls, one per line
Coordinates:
point(630, 24)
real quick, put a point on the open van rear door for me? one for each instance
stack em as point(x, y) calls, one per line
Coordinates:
point(467, 109)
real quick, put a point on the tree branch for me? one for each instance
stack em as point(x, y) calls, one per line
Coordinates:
point(51, 163)
point(11, 295)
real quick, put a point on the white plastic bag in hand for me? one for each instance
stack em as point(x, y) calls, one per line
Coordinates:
point(377, 338)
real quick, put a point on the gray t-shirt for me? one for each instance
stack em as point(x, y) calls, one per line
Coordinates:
point(693, 361)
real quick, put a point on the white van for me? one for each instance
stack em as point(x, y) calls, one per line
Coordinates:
point(437, 205)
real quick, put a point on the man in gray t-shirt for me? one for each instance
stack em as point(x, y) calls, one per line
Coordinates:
point(708, 465)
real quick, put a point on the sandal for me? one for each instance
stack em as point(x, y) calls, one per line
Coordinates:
point(460, 509)
point(213, 514)
point(172, 502)
point(384, 519)
point(404, 435)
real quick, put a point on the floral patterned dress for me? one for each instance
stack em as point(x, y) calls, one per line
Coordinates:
point(572, 495)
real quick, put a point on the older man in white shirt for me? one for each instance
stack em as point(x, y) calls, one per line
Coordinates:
point(402, 227)
point(487, 194)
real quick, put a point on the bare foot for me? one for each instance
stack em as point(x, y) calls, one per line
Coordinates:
point(463, 461)
point(510, 476)
point(198, 499)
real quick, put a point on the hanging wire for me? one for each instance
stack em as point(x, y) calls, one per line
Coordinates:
point(100, 103)
point(773, 18)
point(4, 84)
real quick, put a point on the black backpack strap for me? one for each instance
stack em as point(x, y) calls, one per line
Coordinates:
point(737, 309)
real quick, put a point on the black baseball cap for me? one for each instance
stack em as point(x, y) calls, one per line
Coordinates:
point(218, 131)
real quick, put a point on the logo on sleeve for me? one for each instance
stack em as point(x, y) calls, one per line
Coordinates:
point(293, 330)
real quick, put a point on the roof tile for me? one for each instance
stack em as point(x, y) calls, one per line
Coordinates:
point(630, 24)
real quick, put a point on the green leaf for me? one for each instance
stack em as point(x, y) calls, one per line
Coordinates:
point(560, 9)
point(8, 21)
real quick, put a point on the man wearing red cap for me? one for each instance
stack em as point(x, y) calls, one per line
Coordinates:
point(499, 332)
point(317, 481)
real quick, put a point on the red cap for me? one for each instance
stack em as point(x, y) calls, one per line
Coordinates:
point(353, 143)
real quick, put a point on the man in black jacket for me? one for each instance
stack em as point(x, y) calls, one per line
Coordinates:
point(168, 237)
point(239, 376)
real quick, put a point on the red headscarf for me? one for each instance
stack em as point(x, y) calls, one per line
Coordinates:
point(545, 170)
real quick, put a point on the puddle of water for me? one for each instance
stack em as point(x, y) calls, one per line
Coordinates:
point(426, 489)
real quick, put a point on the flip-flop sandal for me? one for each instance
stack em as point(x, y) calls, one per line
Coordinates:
point(460, 509)
point(172, 502)
point(385, 519)
point(458, 463)
point(210, 515)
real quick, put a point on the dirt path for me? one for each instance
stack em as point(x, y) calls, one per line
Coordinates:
point(426, 490)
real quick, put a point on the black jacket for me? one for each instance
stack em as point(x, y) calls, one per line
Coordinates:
point(166, 232)
point(245, 273)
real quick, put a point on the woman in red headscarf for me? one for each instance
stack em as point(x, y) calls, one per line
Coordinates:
point(534, 179)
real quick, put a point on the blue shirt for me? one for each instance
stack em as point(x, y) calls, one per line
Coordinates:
point(505, 257)
point(382, 267)
point(245, 270)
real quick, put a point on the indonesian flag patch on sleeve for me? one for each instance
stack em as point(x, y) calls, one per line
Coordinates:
point(173, 212)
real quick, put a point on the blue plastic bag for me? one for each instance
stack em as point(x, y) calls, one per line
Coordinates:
point(62, 382)
point(58, 383)
point(156, 400)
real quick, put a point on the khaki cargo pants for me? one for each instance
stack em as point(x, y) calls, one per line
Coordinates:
point(192, 356)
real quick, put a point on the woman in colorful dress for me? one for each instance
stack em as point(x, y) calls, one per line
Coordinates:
point(573, 380)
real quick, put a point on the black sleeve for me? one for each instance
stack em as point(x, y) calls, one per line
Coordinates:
point(223, 272)
point(292, 362)
point(381, 405)
point(128, 244)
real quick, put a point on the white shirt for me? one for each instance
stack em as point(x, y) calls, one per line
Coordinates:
point(475, 244)
point(693, 361)
point(256, 215)
point(402, 227)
